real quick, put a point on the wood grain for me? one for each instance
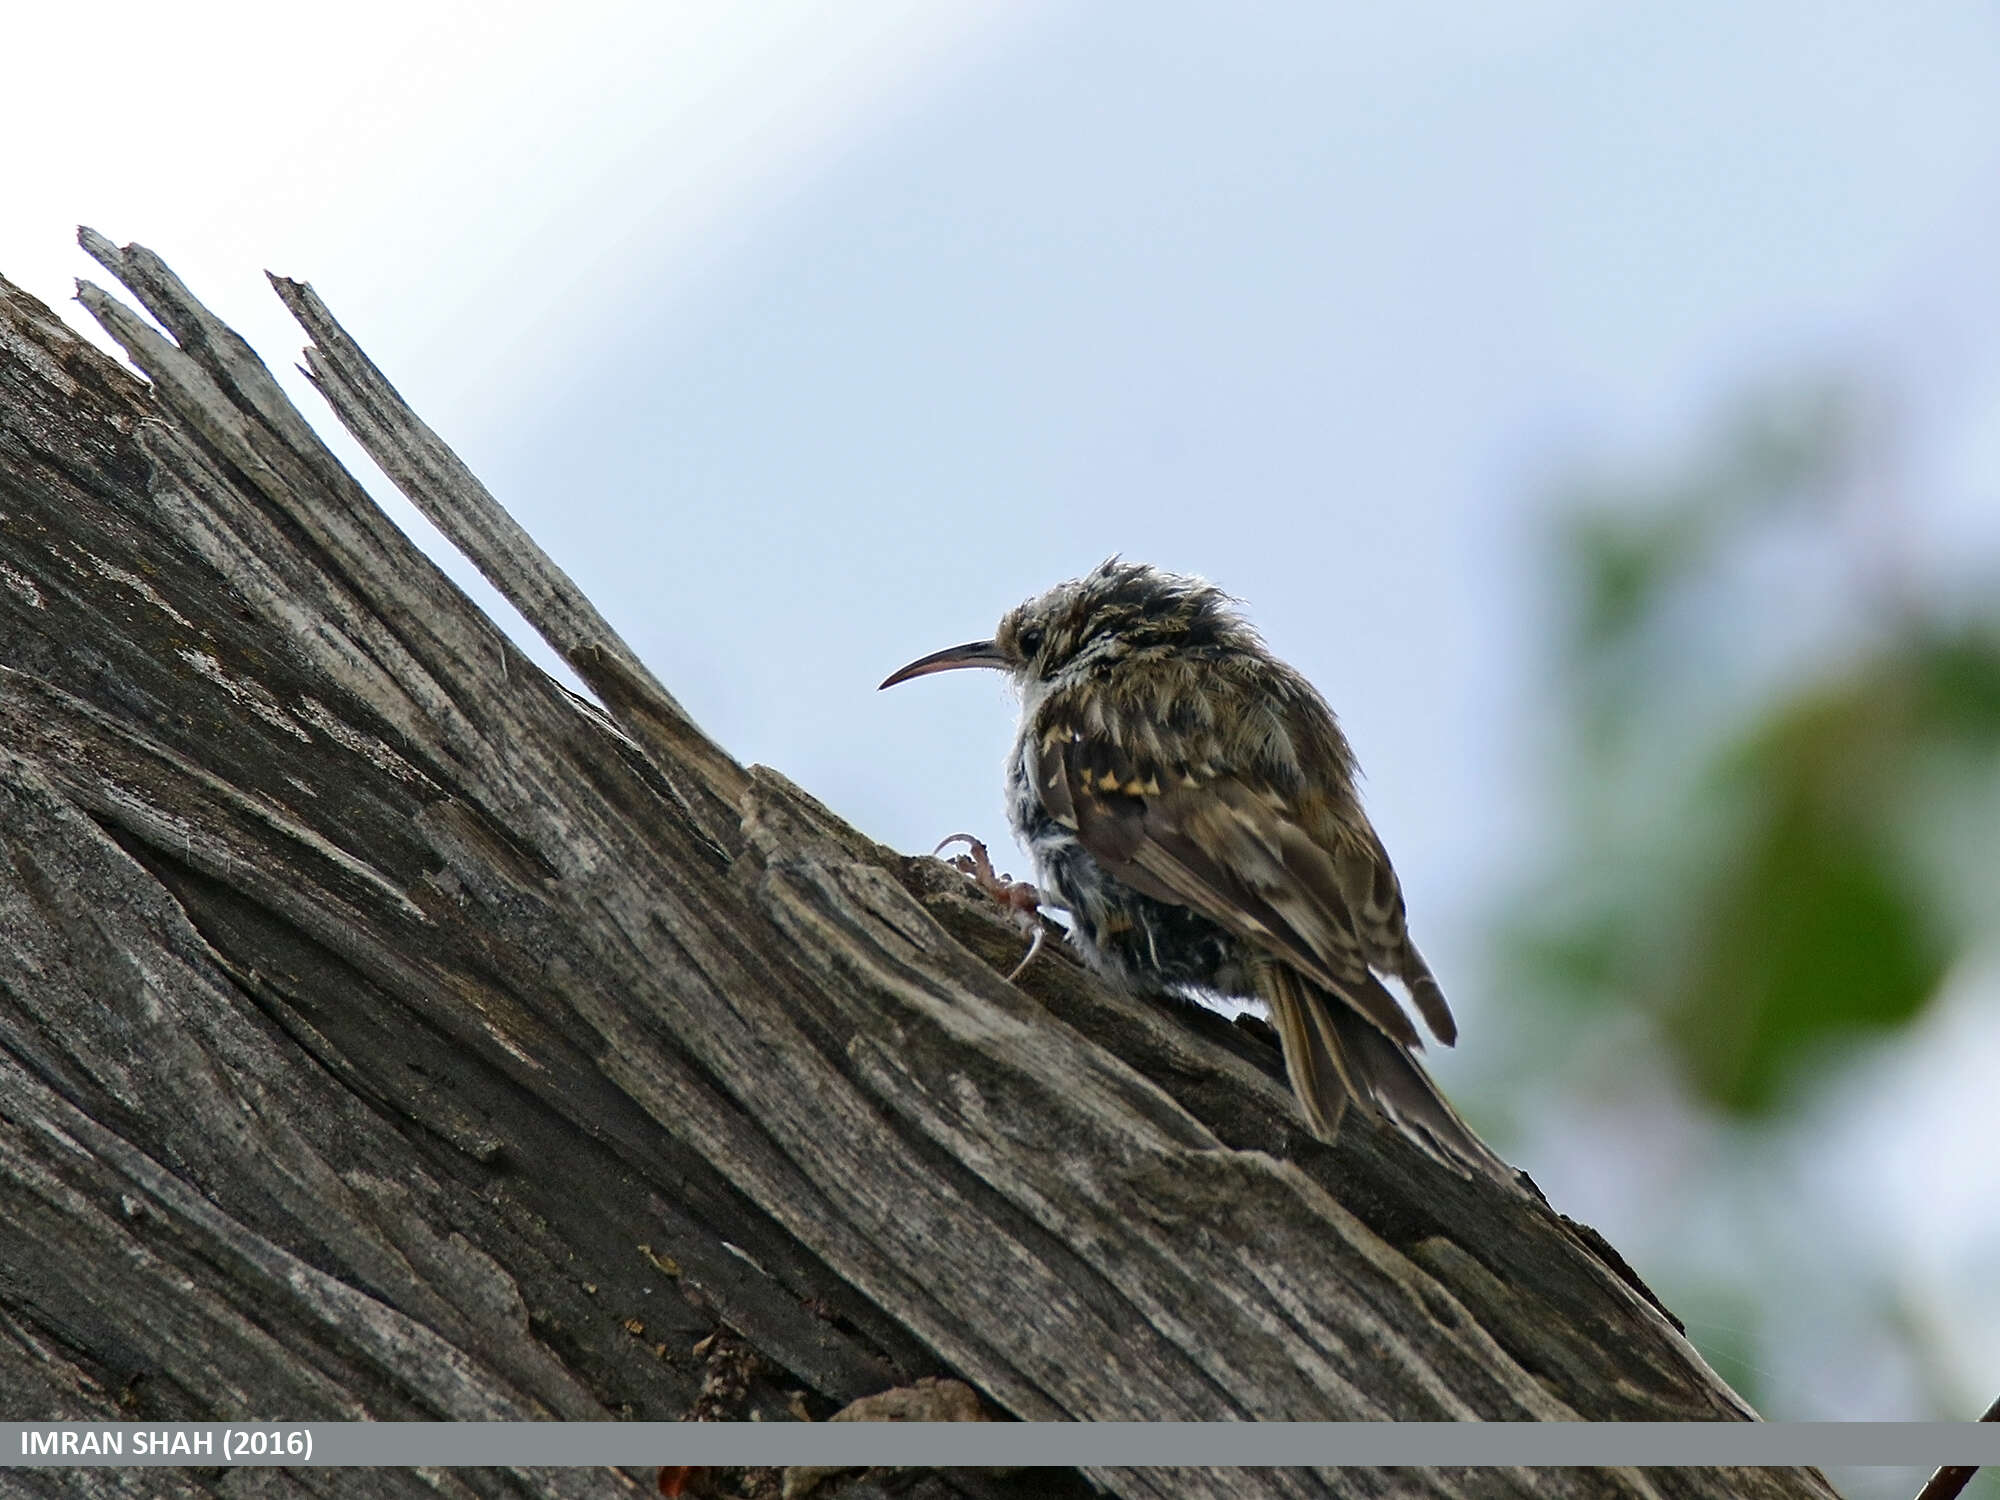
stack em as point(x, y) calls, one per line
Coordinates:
point(386, 1032)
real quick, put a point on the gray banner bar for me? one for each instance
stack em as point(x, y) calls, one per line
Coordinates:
point(981, 1444)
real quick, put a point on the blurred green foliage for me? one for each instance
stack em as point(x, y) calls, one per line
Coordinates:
point(1743, 852)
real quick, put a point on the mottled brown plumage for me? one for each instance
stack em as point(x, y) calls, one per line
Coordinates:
point(1191, 801)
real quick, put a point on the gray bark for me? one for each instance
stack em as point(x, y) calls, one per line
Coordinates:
point(385, 1032)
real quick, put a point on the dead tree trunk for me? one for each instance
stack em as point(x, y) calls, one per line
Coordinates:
point(385, 1032)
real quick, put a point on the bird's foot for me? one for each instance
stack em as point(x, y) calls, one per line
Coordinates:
point(1021, 900)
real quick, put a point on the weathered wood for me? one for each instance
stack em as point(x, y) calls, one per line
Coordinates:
point(385, 1032)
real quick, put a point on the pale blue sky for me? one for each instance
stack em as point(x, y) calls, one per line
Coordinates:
point(808, 339)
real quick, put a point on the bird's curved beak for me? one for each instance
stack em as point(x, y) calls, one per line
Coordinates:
point(972, 654)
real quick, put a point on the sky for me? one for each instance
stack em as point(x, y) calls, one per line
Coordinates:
point(809, 339)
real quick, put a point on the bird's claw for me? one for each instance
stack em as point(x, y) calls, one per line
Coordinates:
point(1019, 897)
point(1021, 900)
point(1034, 947)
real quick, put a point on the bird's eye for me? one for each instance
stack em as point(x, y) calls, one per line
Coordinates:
point(1031, 641)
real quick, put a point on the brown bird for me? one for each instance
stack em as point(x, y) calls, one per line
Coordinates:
point(1190, 800)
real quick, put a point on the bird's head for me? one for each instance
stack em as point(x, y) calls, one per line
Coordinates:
point(1116, 612)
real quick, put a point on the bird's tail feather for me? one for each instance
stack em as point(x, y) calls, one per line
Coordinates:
point(1335, 1055)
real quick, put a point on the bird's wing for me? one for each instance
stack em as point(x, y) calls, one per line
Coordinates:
point(1213, 839)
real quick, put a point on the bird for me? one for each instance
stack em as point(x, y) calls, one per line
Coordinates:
point(1191, 801)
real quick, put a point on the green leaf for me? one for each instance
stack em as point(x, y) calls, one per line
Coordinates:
point(1808, 928)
